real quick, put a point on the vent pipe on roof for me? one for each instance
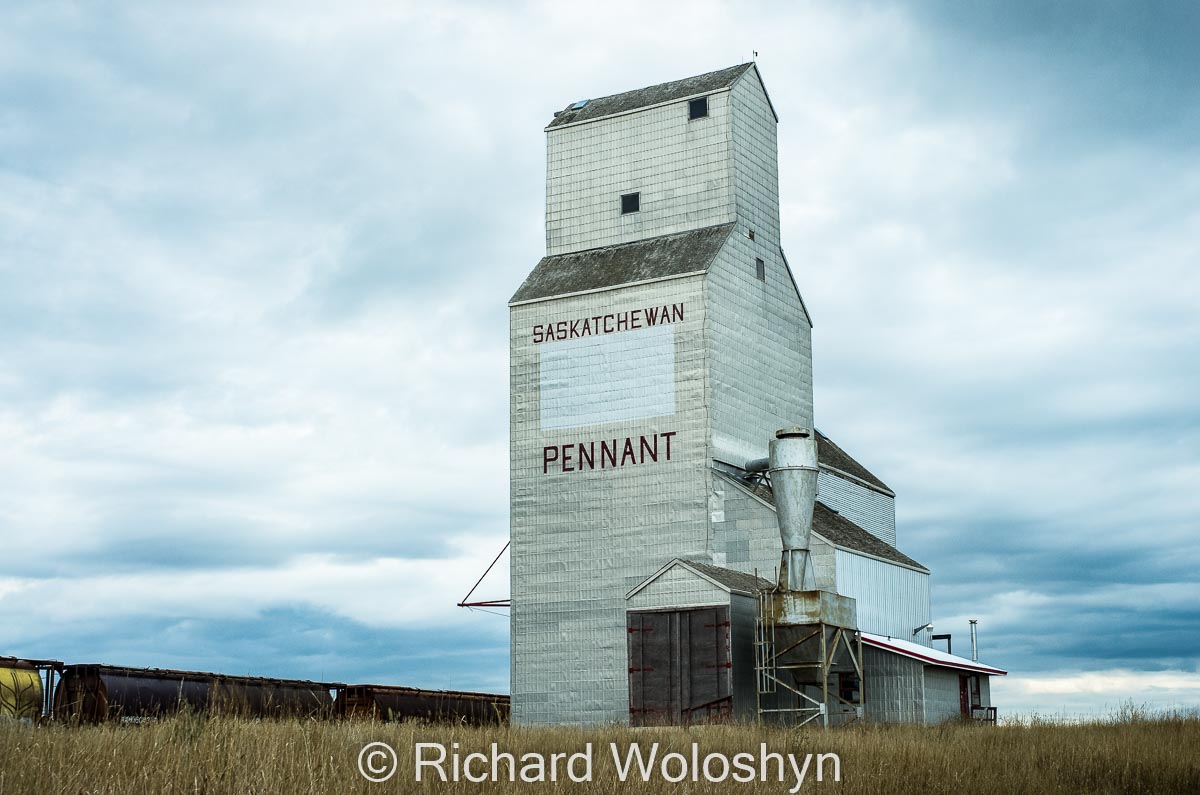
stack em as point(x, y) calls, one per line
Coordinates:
point(974, 642)
point(793, 467)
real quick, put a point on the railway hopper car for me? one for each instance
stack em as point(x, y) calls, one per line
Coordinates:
point(20, 690)
point(98, 693)
point(389, 703)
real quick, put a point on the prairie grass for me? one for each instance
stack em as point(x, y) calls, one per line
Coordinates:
point(192, 754)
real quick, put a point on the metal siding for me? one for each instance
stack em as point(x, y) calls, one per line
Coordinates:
point(743, 611)
point(870, 510)
point(892, 600)
point(893, 687)
point(942, 697)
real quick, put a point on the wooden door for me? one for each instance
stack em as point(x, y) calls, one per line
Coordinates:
point(679, 666)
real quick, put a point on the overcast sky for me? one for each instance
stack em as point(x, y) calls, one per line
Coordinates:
point(254, 266)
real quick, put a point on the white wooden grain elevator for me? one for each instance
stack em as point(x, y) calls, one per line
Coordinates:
point(656, 351)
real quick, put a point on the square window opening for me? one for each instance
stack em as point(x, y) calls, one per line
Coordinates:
point(760, 270)
point(750, 234)
point(631, 203)
point(697, 108)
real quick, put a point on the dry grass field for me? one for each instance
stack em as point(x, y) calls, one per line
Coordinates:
point(190, 754)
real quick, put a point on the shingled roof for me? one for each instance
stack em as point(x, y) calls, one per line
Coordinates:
point(841, 532)
point(651, 95)
point(831, 525)
point(612, 266)
point(733, 580)
point(834, 457)
point(730, 580)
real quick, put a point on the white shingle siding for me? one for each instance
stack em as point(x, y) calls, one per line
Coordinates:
point(756, 160)
point(761, 353)
point(678, 588)
point(870, 510)
point(759, 337)
point(581, 540)
point(681, 167)
point(745, 537)
point(892, 600)
point(739, 365)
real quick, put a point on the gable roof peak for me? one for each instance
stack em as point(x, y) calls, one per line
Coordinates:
point(601, 107)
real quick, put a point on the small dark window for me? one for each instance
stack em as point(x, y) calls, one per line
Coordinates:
point(698, 108)
point(751, 234)
point(760, 269)
point(631, 203)
point(848, 689)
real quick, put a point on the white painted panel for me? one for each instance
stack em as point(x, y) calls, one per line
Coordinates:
point(614, 377)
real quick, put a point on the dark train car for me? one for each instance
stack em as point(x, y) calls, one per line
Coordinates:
point(97, 693)
point(389, 703)
point(272, 698)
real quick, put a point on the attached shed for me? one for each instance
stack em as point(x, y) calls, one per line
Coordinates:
point(691, 645)
point(910, 683)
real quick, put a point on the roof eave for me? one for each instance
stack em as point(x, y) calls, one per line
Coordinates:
point(763, 86)
point(960, 663)
point(672, 563)
point(552, 127)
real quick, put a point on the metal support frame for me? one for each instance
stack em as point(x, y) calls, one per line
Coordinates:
point(822, 650)
point(487, 602)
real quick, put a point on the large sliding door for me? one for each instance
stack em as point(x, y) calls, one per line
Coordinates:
point(679, 666)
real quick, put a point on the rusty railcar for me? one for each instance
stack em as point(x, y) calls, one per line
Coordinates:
point(392, 703)
point(98, 693)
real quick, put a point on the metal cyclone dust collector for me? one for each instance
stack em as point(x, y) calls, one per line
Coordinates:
point(807, 638)
point(793, 468)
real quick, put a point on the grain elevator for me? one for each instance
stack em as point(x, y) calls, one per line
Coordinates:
point(664, 460)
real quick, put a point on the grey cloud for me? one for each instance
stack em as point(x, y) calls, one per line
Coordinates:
point(256, 261)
